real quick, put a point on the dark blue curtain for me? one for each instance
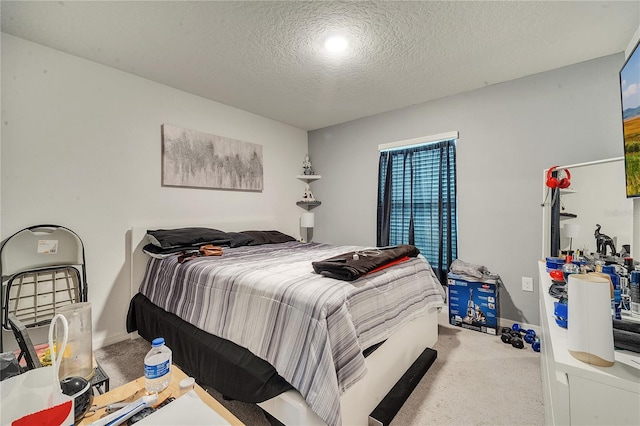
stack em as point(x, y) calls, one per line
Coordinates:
point(417, 202)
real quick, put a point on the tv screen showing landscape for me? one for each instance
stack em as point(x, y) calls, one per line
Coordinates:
point(630, 93)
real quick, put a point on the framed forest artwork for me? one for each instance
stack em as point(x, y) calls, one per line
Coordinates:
point(194, 159)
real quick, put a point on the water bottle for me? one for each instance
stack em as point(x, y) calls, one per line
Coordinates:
point(157, 366)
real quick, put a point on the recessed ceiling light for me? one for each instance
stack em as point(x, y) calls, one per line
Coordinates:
point(336, 44)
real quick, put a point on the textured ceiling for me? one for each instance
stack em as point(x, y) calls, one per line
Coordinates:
point(267, 57)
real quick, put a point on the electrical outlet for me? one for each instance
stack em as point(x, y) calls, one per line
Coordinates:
point(527, 284)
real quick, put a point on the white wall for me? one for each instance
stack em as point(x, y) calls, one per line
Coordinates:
point(509, 133)
point(81, 148)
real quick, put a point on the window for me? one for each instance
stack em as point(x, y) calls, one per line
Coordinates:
point(417, 201)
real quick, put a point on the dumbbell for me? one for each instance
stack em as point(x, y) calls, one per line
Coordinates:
point(512, 337)
point(529, 335)
point(536, 345)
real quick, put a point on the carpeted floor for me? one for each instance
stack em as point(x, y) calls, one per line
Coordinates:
point(476, 380)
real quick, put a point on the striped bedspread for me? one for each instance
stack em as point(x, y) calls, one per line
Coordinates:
point(311, 328)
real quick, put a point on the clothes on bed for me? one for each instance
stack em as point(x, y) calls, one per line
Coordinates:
point(354, 264)
point(311, 328)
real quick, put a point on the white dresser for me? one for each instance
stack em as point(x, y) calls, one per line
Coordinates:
point(576, 393)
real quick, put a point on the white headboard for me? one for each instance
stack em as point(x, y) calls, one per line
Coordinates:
point(139, 259)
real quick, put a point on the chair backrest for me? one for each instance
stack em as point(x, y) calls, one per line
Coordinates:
point(34, 296)
point(39, 247)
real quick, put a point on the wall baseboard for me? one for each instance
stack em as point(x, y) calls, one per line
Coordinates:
point(101, 343)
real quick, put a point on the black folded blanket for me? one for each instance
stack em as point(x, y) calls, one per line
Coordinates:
point(354, 264)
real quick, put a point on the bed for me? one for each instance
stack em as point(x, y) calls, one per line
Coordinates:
point(260, 325)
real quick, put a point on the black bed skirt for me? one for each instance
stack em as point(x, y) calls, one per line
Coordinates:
point(228, 368)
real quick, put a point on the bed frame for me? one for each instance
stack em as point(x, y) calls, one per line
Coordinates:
point(385, 366)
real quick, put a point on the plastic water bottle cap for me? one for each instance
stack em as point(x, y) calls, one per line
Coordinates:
point(157, 341)
point(187, 384)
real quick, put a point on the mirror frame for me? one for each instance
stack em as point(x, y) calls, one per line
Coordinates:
point(547, 196)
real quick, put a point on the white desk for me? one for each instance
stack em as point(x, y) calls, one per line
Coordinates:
point(576, 393)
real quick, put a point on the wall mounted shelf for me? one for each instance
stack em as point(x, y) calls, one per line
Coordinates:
point(308, 178)
point(310, 203)
point(567, 215)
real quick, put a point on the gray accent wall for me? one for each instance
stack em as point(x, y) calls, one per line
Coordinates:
point(509, 133)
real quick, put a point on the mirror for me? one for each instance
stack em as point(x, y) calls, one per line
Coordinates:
point(596, 196)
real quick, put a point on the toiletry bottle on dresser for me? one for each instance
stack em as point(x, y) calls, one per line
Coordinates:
point(634, 293)
point(617, 296)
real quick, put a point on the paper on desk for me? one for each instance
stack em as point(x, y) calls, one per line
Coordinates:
point(188, 409)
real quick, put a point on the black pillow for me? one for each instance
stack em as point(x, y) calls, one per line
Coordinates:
point(185, 237)
point(160, 253)
point(268, 237)
point(238, 239)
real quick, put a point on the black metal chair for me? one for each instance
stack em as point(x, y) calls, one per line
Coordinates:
point(27, 349)
point(43, 268)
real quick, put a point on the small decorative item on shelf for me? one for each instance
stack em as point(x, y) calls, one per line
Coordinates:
point(306, 166)
point(308, 195)
point(603, 241)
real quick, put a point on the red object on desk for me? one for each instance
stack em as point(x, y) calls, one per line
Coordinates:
point(54, 416)
point(556, 275)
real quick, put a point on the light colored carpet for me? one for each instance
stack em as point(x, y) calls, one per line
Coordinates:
point(476, 380)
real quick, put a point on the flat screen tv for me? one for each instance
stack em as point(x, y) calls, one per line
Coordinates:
point(630, 94)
